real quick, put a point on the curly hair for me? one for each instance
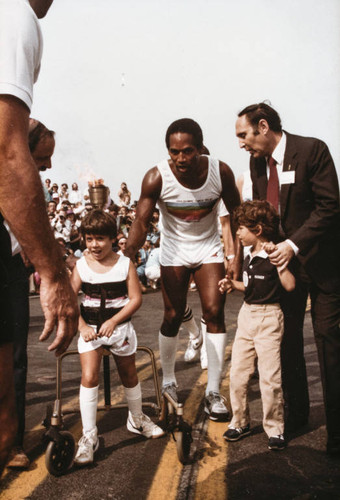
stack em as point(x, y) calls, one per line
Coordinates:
point(185, 126)
point(99, 222)
point(252, 214)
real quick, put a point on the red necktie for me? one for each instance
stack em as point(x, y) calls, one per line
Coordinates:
point(273, 184)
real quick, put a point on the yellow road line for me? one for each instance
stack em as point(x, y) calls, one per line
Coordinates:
point(167, 478)
point(211, 478)
point(27, 481)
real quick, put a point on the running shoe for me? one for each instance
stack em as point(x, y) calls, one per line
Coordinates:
point(193, 346)
point(236, 433)
point(87, 446)
point(171, 389)
point(214, 406)
point(142, 424)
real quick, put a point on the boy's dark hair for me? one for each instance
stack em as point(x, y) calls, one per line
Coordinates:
point(185, 126)
point(99, 222)
point(252, 214)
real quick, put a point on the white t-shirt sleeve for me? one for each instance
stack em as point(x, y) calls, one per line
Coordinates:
point(222, 209)
point(20, 49)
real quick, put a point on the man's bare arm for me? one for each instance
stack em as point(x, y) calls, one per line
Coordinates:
point(232, 200)
point(23, 206)
point(151, 189)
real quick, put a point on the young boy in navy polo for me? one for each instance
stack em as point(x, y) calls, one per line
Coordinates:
point(260, 323)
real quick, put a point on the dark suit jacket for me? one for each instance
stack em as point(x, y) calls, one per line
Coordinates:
point(309, 206)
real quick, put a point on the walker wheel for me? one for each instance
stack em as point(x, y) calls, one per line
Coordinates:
point(59, 455)
point(183, 443)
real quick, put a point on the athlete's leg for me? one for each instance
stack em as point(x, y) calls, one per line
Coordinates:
point(207, 277)
point(175, 282)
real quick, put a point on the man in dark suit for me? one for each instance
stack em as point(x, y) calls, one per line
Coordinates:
point(298, 176)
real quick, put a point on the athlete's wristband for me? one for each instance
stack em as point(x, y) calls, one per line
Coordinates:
point(229, 257)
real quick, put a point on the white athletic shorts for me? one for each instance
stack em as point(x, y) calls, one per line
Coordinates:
point(153, 272)
point(123, 341)
point(191, 254)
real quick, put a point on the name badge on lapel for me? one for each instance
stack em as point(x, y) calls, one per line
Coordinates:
point(287, 177)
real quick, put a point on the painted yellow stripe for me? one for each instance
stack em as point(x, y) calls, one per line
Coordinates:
point(211, 479)
point(23, 485)
point(166, 480)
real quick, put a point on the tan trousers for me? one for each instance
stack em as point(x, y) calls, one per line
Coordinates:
point(259, 333)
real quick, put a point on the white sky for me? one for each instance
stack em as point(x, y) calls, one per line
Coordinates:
point(116, 73)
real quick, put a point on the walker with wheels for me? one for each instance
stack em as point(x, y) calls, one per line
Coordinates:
point(61, 445)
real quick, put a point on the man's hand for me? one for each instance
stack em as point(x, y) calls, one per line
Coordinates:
point(228, 264)
point(282, 255)
point(60, 308)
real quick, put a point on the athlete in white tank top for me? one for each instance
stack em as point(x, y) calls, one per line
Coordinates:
point(187, 189)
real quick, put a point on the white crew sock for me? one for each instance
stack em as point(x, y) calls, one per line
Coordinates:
point(88, 401)
point(167, 352)
point(204, 333)
point(190, 323)
point(215, 343)
point(134, 399)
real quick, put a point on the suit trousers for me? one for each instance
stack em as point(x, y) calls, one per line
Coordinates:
point(18, 292)
point(259, 334)
point(326, 324)
point(294, 375)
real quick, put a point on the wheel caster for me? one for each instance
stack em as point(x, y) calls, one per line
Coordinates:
point(183, 442)
point(59, 454)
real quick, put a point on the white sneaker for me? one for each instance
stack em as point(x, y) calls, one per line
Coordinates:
point(142, 424)
point(193, 346)
point(87, 445)
point(214, 406)
point(204, 357)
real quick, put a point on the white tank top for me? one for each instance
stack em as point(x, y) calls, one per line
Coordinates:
point(189, 214)
point(118, 272)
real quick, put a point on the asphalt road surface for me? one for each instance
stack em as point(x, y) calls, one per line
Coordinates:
point(128, 466)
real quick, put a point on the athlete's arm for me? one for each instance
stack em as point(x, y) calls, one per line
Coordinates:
point(232, 200)
point(151, 190)
point(22, 204)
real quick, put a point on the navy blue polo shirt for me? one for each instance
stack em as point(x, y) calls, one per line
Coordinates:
point(261, 280)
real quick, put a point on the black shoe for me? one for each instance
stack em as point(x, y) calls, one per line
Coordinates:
point(294, 425)
point(234, 434)
point(333, 448)
point(277, 442)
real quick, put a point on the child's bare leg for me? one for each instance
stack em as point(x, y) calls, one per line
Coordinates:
point(88, 394)
point(126, 366)
point(137, 422)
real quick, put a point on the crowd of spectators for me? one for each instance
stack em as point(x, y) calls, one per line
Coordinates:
point(67, 207)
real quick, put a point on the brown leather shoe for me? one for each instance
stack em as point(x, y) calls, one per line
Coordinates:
point(18, 459)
